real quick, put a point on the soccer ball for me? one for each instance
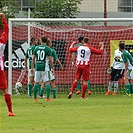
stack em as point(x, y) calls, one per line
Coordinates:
point(18, 85)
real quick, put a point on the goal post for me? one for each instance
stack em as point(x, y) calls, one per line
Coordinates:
point(63, 31)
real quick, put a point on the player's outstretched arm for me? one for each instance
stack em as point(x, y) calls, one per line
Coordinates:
point(73, 43)
point(4, 36)
point(2, 15)
point(71, 48)
point(59, 63)
point(102, 45)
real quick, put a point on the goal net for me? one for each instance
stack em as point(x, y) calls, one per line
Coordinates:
point(62, 32)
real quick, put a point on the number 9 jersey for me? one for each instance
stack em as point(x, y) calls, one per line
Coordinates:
point(83, 54)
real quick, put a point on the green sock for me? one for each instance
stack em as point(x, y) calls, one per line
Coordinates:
point(35, 90)
point(30, 89)
point(131, 88)
point(39, 89)
point(128, 91)
point(54, 93)
point(79, 85)
point(89, 85)
point(47, 90)
point(41, 92)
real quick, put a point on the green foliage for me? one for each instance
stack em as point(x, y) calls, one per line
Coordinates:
point(56, 9)
point(9, 8)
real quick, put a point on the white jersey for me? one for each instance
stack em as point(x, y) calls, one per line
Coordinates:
point(118, 62)
point(83, 55)
point(2, 48)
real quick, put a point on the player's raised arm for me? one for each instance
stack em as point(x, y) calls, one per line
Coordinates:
point(4, 36)
point(97, 51)
point(71, 48)
point(102, 45)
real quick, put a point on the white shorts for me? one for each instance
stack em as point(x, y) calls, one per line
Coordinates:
point(52, 76)
point(40, 76)
point(30, 74)
point(44, 76)
point(130, 74)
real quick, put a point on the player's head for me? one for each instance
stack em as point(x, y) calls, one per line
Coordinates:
point(122, 41)
point(121, 45)
point(86, 40)
point(44, 39)
point(33, 41)
point(80, 39)
point(49, 43)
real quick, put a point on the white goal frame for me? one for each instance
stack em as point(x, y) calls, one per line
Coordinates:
point(50, 20)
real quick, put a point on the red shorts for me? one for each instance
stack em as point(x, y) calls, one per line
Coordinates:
point(3, 80)
point(84, 71)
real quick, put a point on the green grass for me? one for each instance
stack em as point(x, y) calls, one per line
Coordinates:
point(97, 114)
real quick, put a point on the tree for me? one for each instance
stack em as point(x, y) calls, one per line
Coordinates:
point(56, 9)
point(9, 8)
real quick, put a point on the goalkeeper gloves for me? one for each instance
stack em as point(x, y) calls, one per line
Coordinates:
point(109, 70)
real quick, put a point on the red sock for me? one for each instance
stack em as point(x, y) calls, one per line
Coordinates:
point(8, 102)
point(84, 88)
point(73, 86)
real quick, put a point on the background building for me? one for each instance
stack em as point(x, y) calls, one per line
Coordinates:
point(92, 8)
point(115, 8)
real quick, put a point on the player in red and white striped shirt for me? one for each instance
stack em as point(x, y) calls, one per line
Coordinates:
point(83, 64)
point(3, 81)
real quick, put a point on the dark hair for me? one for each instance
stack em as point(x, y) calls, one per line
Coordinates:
point(86, 40)
point(122, 45)
point(48, 41)
point(44, 39)
point(32, 39)
point(80, 39)
point(121, 41)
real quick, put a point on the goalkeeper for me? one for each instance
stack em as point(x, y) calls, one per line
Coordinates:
point(117, 71)
point(80, 42)
point(28, 56)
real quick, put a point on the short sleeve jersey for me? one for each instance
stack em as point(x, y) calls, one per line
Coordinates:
point(83, 54)
point(54, 56)
point(77, 45)
point(127, 57)
point(29, 54)
point(3, 40)
point(118, 62)
point(41, 52)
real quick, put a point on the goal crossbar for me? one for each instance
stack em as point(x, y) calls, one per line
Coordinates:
point(71, 19)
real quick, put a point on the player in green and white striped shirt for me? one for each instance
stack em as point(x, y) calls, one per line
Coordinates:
point(28, 57)
point(128, 74)
point(40, 54)
point(51, 75)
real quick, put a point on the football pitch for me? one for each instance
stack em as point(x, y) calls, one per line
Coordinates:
point(97, 114)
